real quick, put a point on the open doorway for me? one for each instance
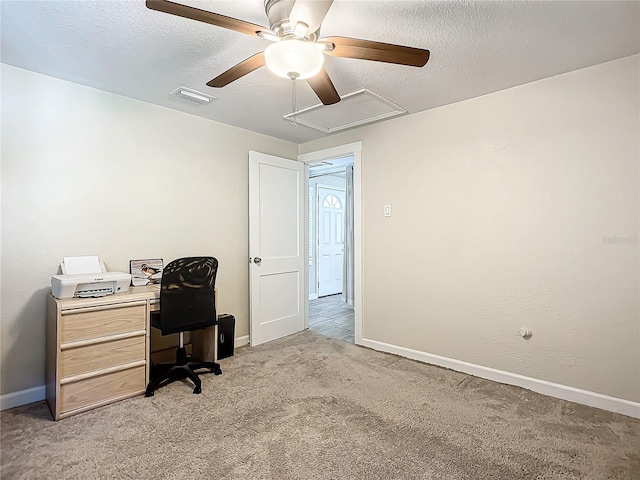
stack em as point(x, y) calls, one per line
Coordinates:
point(331, 236)
point(329, 155)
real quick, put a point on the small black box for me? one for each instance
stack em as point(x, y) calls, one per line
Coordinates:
point(226, 335)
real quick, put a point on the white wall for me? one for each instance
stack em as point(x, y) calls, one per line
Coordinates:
point(86, 172)
point(503, 208)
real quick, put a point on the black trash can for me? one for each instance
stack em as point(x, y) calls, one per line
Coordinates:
point(226, 335)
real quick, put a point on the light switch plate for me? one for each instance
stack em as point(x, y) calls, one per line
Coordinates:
point(387, 210)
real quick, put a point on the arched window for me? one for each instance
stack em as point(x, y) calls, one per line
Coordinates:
point(331, 201)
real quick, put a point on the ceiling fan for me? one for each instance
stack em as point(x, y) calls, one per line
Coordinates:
point(297, 51)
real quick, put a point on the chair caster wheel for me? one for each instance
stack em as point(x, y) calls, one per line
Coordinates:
point(217, 371)
point(148, 394)
point(197, 390)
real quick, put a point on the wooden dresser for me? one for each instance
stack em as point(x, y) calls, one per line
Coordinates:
point(97, 349)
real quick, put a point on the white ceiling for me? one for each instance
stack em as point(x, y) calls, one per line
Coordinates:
point(477, 47)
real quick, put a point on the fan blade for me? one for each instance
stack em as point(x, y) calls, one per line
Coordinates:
point(206, 17)
point(240, 70)
point(323, 86)
point(376, 51)
point(309, 12)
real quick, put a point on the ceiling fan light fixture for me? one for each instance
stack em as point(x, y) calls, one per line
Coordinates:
point(294, 58)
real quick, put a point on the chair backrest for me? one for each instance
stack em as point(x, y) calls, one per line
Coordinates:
point(187, 294)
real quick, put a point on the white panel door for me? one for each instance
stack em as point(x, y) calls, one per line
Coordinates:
point(330, 240)
point(276, 247)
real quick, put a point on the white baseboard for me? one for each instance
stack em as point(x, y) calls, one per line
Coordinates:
point(23, 397)
point(241, 341)
point(564, 392)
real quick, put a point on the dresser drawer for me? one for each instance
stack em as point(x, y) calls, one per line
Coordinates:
point(83, 325)
point(102, 388)
point(87, 358)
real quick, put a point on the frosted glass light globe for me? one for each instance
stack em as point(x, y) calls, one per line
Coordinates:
point(292, 57)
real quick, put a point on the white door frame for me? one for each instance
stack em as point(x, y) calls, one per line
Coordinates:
point(354, 149)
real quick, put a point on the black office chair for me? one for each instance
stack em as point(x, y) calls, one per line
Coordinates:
point(187, 302)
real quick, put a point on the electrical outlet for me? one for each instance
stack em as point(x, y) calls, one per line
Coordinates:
point(387, 210)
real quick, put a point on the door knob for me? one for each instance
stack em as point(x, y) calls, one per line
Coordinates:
point(257, 260)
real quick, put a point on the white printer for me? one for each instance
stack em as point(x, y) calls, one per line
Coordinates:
point(87, 277)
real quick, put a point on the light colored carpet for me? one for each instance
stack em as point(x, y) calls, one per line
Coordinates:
point(311, 407)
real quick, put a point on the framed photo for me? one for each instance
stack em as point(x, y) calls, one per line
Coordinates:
point(146, 272)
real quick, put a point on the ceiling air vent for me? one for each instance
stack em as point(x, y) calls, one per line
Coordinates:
point(357, 108)
point(192, 95)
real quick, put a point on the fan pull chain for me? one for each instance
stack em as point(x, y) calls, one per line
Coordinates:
point(293, 76)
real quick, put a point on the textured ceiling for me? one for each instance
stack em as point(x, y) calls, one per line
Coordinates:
point(477, 47)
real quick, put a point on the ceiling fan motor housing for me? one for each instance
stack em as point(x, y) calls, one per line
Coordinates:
point(278, 12)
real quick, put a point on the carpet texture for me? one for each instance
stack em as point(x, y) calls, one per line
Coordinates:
point(311, 407)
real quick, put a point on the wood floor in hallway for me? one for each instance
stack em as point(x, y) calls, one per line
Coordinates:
point(332, 317)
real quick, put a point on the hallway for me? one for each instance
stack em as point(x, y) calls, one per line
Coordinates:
point(332, 317)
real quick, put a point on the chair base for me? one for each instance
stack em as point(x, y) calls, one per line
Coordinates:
point(183, 368)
